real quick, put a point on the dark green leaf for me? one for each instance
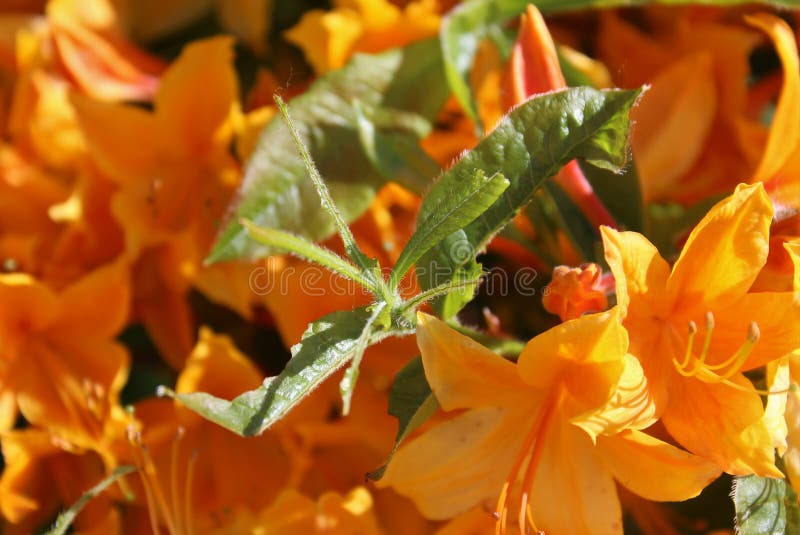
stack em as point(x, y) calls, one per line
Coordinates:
point(448, 208)
point(276, 193)
point(65, 519)
point(325, 347)
point(577, 228)
point(471, 22)
point(620, 193)
point(528, 146)
point(765, 506)
point(411, 402)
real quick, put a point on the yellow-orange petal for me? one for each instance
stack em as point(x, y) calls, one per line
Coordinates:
point(459, 463)
point(723, 424)
point(464, 374)
point(639, 271)
point(631, 405)
point(570, 466)
point(584, 355)
point(784, 136)
point(654, 469)
point(216, 366)
point(327, 38)
point(724, 252)
point(769, 311)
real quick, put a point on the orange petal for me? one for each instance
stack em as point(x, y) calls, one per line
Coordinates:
point(672, 123)
point(769, 311)
point(82, 316)
point(724, 252)
point(199, 120)
point(217, 367)
point(723, 424)
point(784, 136)
point(123, 140)
point(326, 38)
point(462, 373)
point(533, 65)
point(585, 355)
point(654, 469)
point(459, 463)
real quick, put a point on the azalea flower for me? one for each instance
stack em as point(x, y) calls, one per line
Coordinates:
point(696, 328)
point(329, 38)
point(175, 175)
point(527, 430)
point(779, 167)
point(689, 141)
point(60, 360)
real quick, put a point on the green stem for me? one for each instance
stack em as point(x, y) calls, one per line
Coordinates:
point(350, 246)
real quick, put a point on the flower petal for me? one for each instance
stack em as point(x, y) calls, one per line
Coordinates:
point(630, 407)
point(724, 252)
point(723, 424)
point(654, 469)
point(585, 355)
point(784, 135)
point(640, 272)
point(571, 469)
point(459, 463)
point(198, 119)
point(464, 374)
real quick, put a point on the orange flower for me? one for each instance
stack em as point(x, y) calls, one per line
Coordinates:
point(40, 479)
point(175, 175)
point(330, 38)
point(192, 471)
point(696, 327)
point(59, 358)
point(687, 141)
point(531, 426)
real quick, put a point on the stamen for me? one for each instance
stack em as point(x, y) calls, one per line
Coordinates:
point(532, 448)
point(173, 478)
point(698, 368)
point(134, 441)
point(707, 340)
point(187, 494)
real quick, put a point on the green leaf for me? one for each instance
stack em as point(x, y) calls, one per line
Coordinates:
point(302, 248)
point(348, 383)
point(396, 158)
point(276, 192)
point(411, 402)
point(620, 193)
point(765, 506)
point(528, 146)
point(447, 209)
point(351, 248)
point(65, 519)
point(327, 345)
point(466, 25)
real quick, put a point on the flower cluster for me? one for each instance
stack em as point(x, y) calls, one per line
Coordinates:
point(146, 184)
